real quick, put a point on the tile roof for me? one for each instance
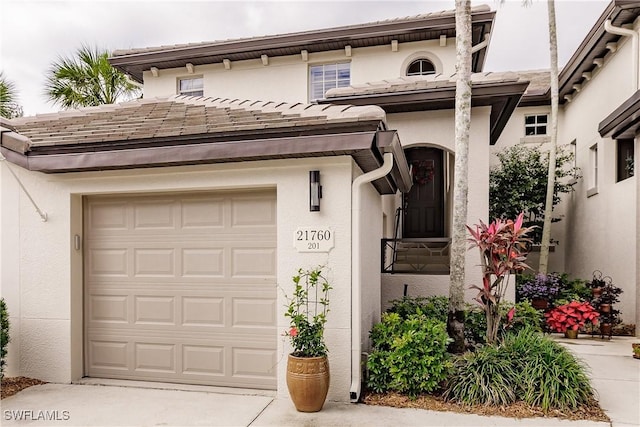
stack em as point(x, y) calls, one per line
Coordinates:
point(178, 116)
point(419, 17)
point(539, 81)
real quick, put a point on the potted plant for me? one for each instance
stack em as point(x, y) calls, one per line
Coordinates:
point(308, 366)
point(609, 316)
point(541, 289)
point(636, 350)
point(571, 317)
point(597, 283)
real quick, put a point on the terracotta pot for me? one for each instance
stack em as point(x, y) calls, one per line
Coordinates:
point(308, 382)
point(539, 303)
point(605, 308)
point(596, 292)
point(636, 350)
point(570, 333)
point(605, 328)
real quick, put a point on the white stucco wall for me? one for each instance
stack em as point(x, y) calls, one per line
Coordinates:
point(371, 224)
point(9, 262)
point(601, 226)
point(514, 134)
point(436, 128)
point(48, 282)
point(286, 77)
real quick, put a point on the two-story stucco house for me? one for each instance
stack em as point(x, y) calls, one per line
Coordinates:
point(156, 239)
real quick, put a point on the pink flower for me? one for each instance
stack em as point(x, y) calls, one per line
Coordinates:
point(293, 332)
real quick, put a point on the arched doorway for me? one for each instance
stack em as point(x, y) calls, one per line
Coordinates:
point(424, 205)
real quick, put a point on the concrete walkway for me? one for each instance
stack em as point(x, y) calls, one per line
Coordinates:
point(616, 376)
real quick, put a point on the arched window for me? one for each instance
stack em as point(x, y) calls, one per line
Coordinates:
point(421, 67)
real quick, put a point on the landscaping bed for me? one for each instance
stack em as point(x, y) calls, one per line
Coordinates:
point(13, 385)
point(591, 412)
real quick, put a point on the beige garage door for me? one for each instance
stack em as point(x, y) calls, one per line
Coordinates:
point(182, 288)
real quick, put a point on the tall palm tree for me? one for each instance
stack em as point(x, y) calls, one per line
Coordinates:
point(9, 108)
point(87, 79)
point(548, 208)
point(455, 317)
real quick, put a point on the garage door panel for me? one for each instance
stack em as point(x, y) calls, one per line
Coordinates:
point(203, 213)
point(203, 360)
point(155, 357)
point(182, 288)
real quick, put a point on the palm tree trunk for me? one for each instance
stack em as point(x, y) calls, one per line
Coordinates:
point(455, 318)
point(548, 208)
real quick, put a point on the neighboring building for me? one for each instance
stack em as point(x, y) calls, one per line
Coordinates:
point(172, 221)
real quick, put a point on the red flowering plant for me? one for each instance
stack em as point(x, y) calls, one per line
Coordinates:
point(503, 249)
point(308, 310)
point(571, 316)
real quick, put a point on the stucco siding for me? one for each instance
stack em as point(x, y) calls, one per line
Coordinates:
point(371, 224)
point(286, 77)
point(436, 128)
point(50, 315)
point(600, 224)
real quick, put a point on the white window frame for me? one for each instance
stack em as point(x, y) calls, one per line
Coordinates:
point(198, 91)
point(421, 72)
point(328, 83)
point(536, 124)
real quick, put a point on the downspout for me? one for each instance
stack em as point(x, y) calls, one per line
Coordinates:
point(356, 285)
point(481, 45)
point(619, 31)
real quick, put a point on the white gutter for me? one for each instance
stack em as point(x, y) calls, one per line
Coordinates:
point(609, 28)
point(356, 285)
point(481, 45)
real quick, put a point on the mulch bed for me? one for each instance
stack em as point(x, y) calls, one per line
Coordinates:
point(13, 385)
point(592, 412)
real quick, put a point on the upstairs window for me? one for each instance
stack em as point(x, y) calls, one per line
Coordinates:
point(593, 166)
point(625, 159)
point(421, 67)
point(191, 86)
point(536, 124)
point(328, 76)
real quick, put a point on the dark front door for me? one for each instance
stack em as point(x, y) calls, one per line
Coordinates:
point(424, 204)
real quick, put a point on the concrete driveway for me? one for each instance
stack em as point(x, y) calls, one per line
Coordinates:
point(615, 375)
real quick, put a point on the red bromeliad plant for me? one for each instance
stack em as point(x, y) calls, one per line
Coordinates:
point(503, 249)
point(571, 316)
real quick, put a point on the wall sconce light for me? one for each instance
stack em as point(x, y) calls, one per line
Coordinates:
point(315, 191)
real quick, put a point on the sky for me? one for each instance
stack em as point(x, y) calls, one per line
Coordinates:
point(34, 34)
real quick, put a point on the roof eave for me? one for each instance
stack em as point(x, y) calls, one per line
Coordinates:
point(624, 121)
point(133, 64)
point(503, 97)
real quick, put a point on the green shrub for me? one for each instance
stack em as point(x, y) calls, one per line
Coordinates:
point(550, 376)
point(525, 316)
point(526, 366)
point(4, 335)
point(483, 377)
point(409, 355)
point(573, 290)
point(434, 307)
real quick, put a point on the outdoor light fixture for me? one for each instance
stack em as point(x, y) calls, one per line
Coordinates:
point(315, 191)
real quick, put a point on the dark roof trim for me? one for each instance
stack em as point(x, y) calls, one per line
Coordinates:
point(624, 121)
point(362, 146)
point(389, 142)
point(503, 97)
point(621, 12)
point(134, 62)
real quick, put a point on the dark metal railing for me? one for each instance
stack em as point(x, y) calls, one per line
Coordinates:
point(419, 256)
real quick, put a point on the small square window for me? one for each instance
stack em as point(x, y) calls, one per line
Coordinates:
point(328, 76)
point(625, 159)
point(535, 124)
point(191, 86)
